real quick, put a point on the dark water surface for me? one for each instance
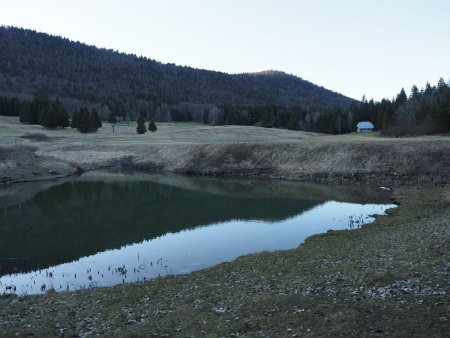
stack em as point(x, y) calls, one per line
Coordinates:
point(102, 228)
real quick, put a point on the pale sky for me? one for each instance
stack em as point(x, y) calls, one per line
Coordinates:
point(355, 47)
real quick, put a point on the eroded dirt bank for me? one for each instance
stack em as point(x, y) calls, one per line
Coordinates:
point(22, 164)
point(333, 162)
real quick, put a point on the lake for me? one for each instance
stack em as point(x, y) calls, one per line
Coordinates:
point(106, 228)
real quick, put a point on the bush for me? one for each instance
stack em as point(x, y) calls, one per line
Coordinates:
point(399, 131)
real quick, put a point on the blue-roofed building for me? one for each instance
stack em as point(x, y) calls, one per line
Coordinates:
point(364, 127)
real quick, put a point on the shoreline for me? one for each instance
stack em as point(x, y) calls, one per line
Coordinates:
point(390, 272)
point(30, 163)
point(376, 280)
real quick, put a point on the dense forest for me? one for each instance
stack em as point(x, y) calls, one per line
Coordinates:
point(73, 77)
point(82, 75)
point(423, 111)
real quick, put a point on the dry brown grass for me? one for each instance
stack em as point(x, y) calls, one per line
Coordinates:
point(238, 151)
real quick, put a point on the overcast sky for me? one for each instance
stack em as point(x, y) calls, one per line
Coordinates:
point(354, 47)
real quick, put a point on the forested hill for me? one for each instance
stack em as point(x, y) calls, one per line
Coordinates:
point(81, 75)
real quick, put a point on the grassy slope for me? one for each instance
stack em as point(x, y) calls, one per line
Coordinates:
point(391, 277)
point(228, 151)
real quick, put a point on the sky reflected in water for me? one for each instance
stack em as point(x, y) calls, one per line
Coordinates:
point(107, 229)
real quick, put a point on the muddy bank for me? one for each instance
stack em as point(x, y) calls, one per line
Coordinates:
point(384, 163)
point(22, 164)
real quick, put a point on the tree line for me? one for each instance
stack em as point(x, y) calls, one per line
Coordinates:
point(423, 111)
point(50, 114)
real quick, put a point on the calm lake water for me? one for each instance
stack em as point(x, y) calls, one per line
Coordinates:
point(102, 229)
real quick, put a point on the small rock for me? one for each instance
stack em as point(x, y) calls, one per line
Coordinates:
point(219, 310)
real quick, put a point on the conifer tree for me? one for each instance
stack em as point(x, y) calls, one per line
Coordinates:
point(76, 119)
point(96, 118)
point(152, 126)
point(48, 118)
point(267, 120)
point(205, 117)
point(414, 92)
point(141, 129)
point(93, 122)
point(401, 97)
point(84, 124)
point(293, 122)
point(61, 115)
point(25, 114)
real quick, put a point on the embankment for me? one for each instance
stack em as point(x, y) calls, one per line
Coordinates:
point(333, 162)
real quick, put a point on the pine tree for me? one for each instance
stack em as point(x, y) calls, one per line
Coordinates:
point(96, 118)
point(39, 104)
point(152, 126)
point(61, 115)
point(84, 124)
point(76, 117)
point(267, 120)
point(49, 117)
point(443, 111)
point(401, 97)
point(414, 92)
point(293, 122)
point(141, 129)
point(205, 117)
point(428, 89)
point(93, 122)
point(25, 114)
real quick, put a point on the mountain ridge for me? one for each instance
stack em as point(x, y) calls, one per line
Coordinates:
point(39, 63)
